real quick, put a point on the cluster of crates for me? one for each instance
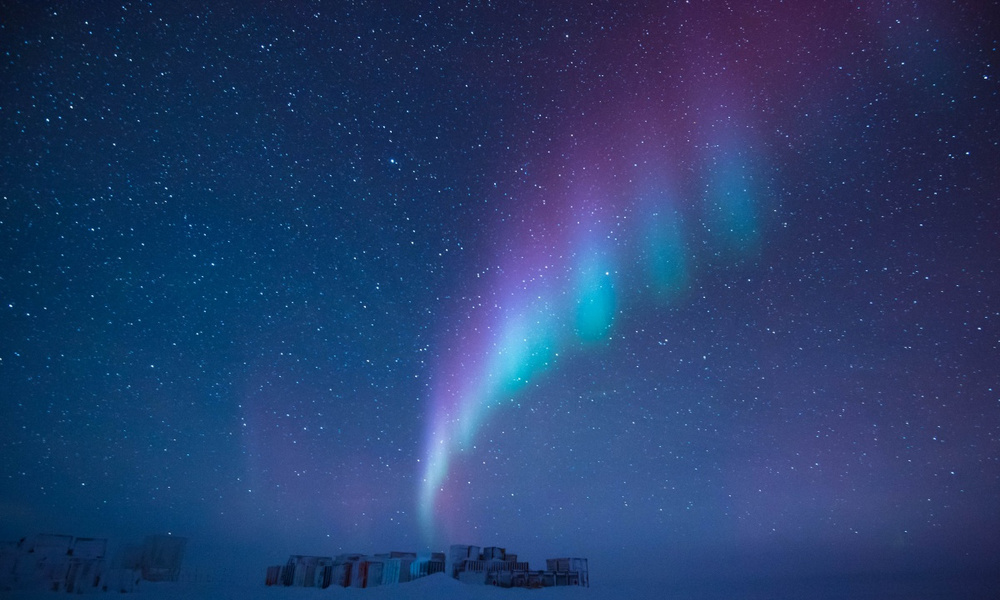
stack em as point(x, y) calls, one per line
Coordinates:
point(495, 566)
point(354, 570)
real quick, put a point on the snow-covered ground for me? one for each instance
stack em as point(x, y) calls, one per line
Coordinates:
point(441, 587)
point(431, 588)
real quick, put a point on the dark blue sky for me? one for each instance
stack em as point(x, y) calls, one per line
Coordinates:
point(711, 279)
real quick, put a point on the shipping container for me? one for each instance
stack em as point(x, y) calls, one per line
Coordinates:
point(494, 553)
point(570, 565)
point(273, 575)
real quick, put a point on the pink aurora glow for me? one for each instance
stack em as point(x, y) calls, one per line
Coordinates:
point(651, 181)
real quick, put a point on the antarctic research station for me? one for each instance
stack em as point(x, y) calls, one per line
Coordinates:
point(469, 564)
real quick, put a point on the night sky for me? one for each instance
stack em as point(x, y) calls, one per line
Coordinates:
point(699, 279)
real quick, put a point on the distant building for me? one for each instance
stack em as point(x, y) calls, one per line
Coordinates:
point(86, 565)
point(125, 572)
point(64, 563)
point(162, 556)
point(57, 563)
point(495, 566)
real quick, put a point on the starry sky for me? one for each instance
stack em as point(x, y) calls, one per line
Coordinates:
point(703, 279)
